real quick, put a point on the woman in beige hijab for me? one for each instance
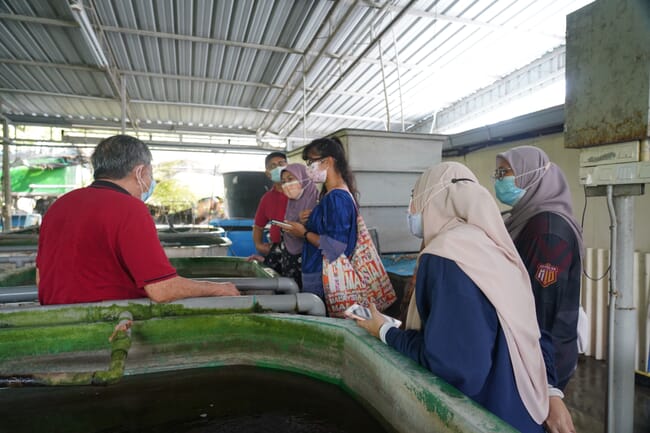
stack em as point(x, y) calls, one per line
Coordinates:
point(472, 321)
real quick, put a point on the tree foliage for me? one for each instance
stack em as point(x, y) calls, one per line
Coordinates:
point(169, 193)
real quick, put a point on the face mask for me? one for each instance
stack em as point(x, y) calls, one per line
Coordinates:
point(276, 174)
point(414, 220)
point(507, 192)
point(293, 190)
point(416, 225)
point(146, 194)
point(316, 174)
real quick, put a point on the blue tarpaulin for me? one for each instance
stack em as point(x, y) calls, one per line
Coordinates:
point(400, 264)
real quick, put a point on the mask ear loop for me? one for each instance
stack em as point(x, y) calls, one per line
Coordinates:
point(138, 178)
point(445, 185)
point(545, 168)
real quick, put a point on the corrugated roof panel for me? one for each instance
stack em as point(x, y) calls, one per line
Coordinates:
point(119, 50)
point(222, 94)
point(184, 56)
point(168, 58)
point(210, 93)
point(10, 78)
point(198, 92)
point(141, 88)
point(221, 17)
point(439, 41)
point(65, 107)
point(21, 43)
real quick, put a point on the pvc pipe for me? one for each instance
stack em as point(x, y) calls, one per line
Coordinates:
point(301, 303)
point(18, 260)
point(612, 310)
point(278, 285)
point(18, 294)
point(282, 285)
point(18, 248)
point(306, 303)
point(310, 304)
point(120, 345)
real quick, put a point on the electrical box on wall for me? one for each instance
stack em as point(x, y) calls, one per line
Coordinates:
point(615, 164)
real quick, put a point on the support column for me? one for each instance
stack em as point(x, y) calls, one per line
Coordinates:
point(625, 324)
point(123, 100)
point(6, 178)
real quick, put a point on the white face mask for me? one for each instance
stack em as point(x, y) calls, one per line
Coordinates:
point(315, 173)
point(415, 220)
point(292, 189)
point(415, 224)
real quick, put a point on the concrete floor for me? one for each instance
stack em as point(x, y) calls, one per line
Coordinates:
point(586, 397)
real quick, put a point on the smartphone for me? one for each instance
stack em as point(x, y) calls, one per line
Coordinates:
point(281, 224)
point(360, 312)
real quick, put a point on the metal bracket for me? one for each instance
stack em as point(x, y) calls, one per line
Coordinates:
point(618, 190)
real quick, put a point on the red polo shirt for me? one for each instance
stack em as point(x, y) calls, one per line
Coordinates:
point(273, 206)
point(98, 243)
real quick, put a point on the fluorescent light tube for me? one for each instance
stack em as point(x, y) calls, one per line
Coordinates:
point(79, 13)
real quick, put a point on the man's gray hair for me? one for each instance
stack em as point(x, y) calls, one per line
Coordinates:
point(114, 157)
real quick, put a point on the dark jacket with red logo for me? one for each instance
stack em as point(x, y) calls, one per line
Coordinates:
point(550, 251)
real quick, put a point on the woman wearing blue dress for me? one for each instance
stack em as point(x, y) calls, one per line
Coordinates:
point(472, 317)
point(332, 225)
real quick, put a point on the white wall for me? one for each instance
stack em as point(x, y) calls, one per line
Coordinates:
point(596, 222)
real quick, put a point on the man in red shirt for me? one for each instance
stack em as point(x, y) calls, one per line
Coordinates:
point(273, 206)
point(100, 243)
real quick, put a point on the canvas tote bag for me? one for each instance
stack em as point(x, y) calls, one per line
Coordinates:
point(361, 279)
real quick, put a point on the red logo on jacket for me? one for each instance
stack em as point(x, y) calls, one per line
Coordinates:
point(546, 274)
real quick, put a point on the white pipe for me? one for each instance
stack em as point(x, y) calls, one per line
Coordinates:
point(301, 303)
point(280, 285)
point(306, 303)
point(612, 310)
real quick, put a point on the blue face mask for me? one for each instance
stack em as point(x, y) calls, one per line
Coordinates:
point(507, 192)
point(145, 195)
point(276, 174)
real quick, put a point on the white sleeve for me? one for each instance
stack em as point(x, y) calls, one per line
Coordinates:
point(384, 330)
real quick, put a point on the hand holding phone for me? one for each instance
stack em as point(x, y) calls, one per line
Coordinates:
point(359, 312)
point(281, 224)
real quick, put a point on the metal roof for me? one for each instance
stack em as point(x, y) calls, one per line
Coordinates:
point(292, 70)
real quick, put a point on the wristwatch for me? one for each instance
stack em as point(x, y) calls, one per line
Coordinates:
point(305, 235)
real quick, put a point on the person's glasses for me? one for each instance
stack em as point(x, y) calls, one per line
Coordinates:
point(311, 161)
point(501, 172)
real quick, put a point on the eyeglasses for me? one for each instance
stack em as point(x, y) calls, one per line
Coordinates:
point(311, 161)
point(501, 172)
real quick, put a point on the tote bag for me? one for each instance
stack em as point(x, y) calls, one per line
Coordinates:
point(361, 279)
